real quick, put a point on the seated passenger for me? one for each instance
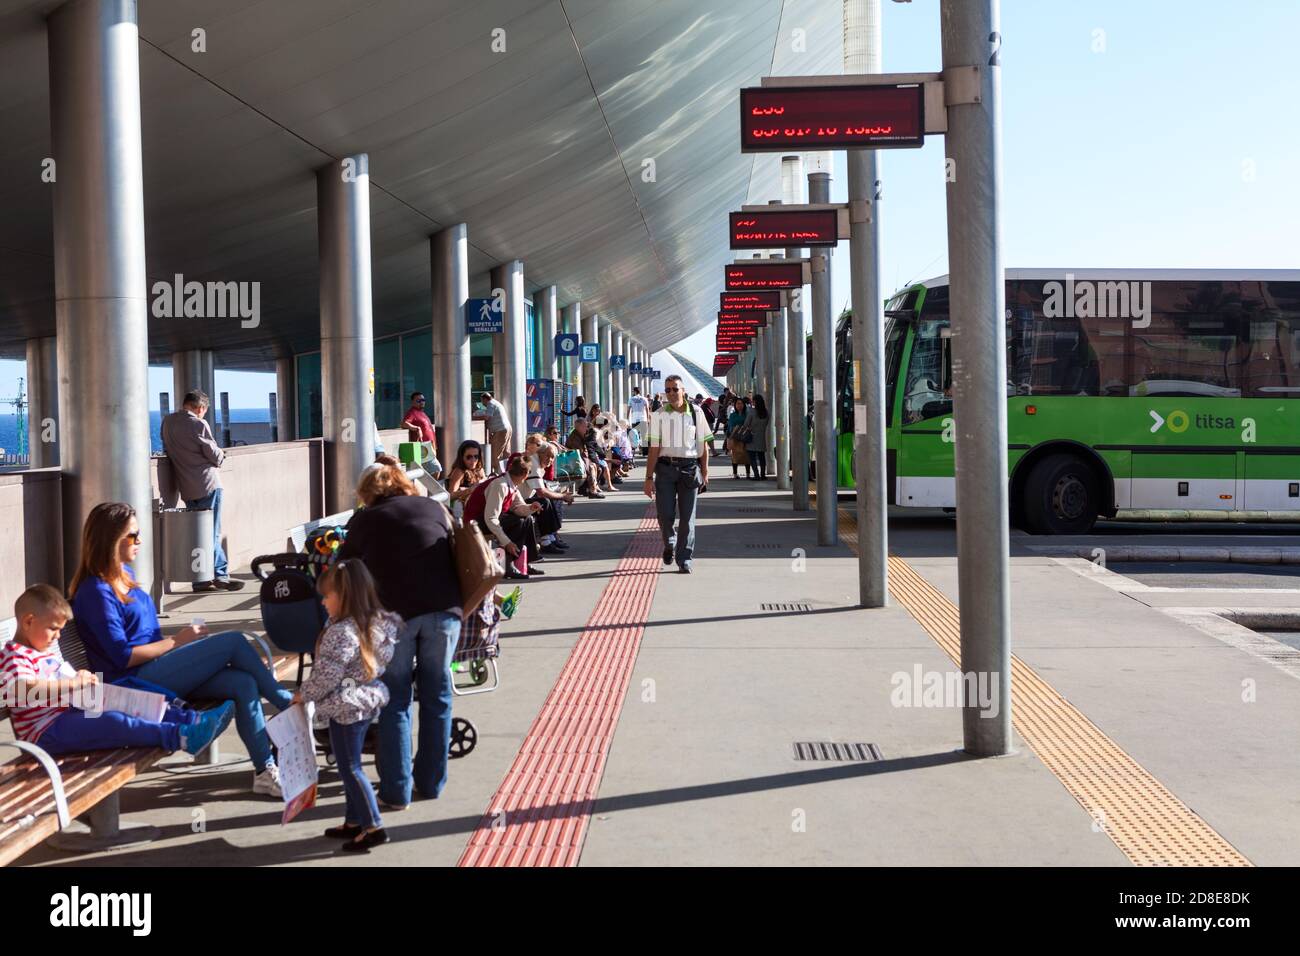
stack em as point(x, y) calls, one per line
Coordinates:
point(466, 471)
point(58, 708)
point(498, 506)
point(118, 623)
point(540, 458)
point(577, 441)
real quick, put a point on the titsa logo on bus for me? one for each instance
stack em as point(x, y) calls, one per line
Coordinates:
point(1179, 421)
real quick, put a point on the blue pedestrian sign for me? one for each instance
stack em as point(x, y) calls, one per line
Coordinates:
point(634, 368)
point(617, 362)
point(567, 344)
point(591, 351)
point(655, 373)
point(481, 317)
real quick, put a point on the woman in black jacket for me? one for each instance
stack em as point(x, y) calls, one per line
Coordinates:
point(405, 542)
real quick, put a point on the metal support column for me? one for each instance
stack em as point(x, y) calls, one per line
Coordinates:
point(286, 394)
point(449, 261)
point(571, 316)
point(862, 55)
point(346, 326)
point(606, 376)
point(590, 379)
point(193, 369)
point(43, 402)
point(977, 293)
point(823, 331)
point(511, 387)
point(100, 285)
point(796, 345)
point(620, 378)
point(550, 317)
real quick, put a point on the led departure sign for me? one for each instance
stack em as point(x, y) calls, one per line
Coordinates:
point(750, 301)
point(760, 274)
point(831, 117)
point(785, 228)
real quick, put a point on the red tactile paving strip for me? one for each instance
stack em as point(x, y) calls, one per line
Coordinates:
point(539, 814)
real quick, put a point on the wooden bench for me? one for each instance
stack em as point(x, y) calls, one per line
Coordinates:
point(40, 794)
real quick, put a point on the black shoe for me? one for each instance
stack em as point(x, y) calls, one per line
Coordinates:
point(229, 584)
point(552, 549)
point(345, 832)
point(203, 586)
point(365, 841)
point(562, 545)
point(668, 554)
point(514, 574)
point(534, 572)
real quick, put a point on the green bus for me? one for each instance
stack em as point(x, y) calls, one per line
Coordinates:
point(1127, 391)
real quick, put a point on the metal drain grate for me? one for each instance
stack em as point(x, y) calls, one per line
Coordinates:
point(785, 607)
point(844, 753)
point(752, 511)
point(765, 546)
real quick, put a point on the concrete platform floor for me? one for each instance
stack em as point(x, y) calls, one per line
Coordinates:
point(701, 770)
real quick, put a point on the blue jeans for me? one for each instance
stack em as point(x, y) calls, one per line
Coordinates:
point(75, 730)
point(424, 653)
point(346, 741)
point(212, 503)
point(676, 488)
point(223, 667)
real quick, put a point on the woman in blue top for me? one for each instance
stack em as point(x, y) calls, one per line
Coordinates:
point(118, 623)
point(736, 425)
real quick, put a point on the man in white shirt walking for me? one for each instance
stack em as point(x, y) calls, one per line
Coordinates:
point(637, 408)
point(677, 470)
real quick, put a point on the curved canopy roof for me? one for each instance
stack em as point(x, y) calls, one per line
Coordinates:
point(542, 149)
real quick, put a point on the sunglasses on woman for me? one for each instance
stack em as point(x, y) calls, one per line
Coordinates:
point(133, 537)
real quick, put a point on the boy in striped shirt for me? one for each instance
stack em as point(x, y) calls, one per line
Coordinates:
point(44, 693)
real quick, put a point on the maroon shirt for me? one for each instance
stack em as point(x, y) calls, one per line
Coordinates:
point(417, 416)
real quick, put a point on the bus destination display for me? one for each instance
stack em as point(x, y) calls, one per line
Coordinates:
point(831, 117)
point(789, 229)
point(761, 274)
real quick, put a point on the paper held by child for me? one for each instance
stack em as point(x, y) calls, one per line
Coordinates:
point(134, 703)
point(290, 731)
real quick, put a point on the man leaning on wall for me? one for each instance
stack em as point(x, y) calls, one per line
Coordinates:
point(196, 462)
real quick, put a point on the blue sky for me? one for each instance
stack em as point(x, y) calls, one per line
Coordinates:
point(1177, 146)
point(1168, 139)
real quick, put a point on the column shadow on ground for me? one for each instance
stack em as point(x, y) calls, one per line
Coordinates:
point(220, 852)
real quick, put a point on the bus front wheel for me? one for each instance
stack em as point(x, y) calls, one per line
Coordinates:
point(1061, 496)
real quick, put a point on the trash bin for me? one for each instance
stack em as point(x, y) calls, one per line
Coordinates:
point(186, 546)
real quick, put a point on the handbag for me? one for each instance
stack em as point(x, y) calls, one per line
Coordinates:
point(569, 463)
point(477, 568)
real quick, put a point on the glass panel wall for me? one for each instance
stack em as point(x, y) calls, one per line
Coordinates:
point(309, 404)
point(389, 400)
point(417, 370)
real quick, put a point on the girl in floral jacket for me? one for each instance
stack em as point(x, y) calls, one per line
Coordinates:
point(351, 654)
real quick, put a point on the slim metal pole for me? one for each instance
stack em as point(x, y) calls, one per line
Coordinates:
point(823, 331)
point(862, 54)
point(797, 349)
point(272, 405)
point(977, 306)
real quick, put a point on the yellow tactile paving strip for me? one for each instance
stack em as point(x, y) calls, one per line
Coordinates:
point(1149, 824)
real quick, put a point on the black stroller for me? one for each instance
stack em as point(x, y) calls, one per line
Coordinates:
point(294, 616)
